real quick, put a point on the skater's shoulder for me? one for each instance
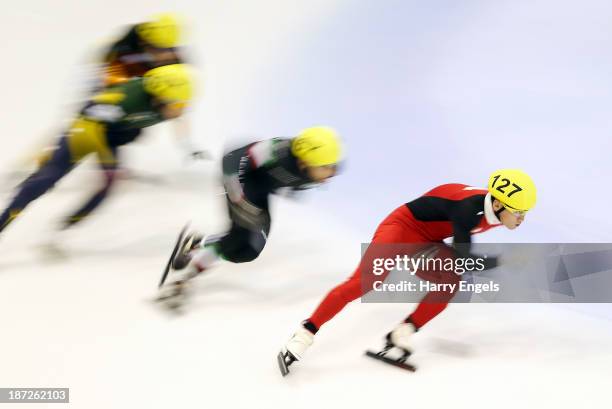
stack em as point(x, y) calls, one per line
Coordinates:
point(269, 151)
point(113, 96)
point(127, 41)
point(456, 191)
point(118, 93)
point(281, 146)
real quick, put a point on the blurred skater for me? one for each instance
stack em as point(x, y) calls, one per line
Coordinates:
point(112, 118)
point(250, 175)
point(144, 46)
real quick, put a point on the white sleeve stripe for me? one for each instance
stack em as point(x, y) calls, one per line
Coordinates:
point(261, 152)
point(103, 112)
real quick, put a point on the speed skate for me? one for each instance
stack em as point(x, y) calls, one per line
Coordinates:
point(399, 362)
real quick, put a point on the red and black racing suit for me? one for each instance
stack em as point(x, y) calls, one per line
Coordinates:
point(450, 210)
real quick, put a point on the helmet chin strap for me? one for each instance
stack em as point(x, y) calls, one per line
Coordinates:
point(498, 212)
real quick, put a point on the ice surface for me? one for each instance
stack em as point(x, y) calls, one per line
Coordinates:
point(87, 322)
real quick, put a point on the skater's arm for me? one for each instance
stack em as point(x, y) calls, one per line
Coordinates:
point(94, 201)
point(462, 242)
point(249, 158)
point(240, 162)
point(235, 164)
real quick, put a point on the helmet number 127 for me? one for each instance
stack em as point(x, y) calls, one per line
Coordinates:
point(505, 184)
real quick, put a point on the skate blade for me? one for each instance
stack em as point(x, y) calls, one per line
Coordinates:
point(390, 361)
point(282, 365)
point(172, 255)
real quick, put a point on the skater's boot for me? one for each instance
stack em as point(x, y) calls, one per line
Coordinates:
point(299, 343)
point(401, 338)
point(397, 341)
point(190, 242)
point(294, 349)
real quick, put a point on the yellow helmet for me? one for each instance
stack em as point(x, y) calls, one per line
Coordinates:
point(513, 188)
point(317, 146)
point(170, 83)
point(162, 31)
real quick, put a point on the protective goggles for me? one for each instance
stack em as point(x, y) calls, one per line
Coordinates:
point(515, 212)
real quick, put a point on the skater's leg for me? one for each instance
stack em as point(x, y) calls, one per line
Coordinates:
point(392, 230)
point(59, 164)
point(356, 286)
point(334, 302)
point(83, 137)
point(331, 305)
point(432, 304)
point(425, 312)
point(239, 245)
point(396, 228)
point(109, 173)
point(242, 245)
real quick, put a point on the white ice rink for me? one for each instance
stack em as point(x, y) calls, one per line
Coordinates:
point(86, 320)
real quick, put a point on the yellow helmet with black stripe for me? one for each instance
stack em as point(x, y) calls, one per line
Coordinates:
point(513, 188)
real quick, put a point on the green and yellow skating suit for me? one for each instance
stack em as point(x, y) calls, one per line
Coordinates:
point(114, 117)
